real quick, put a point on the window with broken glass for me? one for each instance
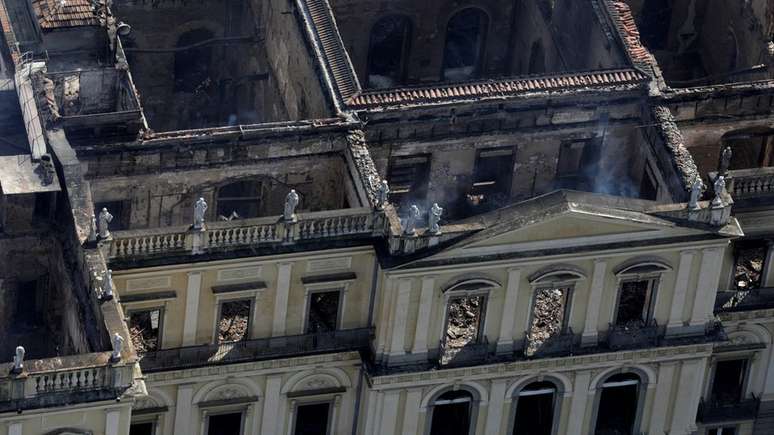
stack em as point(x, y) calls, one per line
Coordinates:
point(550, 316)
point(323, 312)
point(636, 298)
point(749, 259)
point(234, 320)
point(145, 329)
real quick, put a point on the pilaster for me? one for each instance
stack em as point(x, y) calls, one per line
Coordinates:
point(411, 412)
point(688, 394)
point(271, 409)
point(661, 404)
point(580, 396)
point(681, 290)
point(279, 321)
point(183, 409)
point(591, 324)
point(192, 296)
point(505, 340)
point(494, 417)
point(397, 344)
point(390, 404)
point(423, 319)
point(706, 290)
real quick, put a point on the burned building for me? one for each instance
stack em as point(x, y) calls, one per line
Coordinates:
point(349, 216)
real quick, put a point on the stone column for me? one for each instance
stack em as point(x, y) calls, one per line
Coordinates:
point(192, 295)
point(279, 321)
point(183, 409)
point(661, 404)
point(423, 319)
point(271, 405)
point(15, 429)
point(494, 417)
point(390, 404)
point(373, 419)
point(112, 419)
point(768, 266)
point(688, 394)
point(411, 412)
point(681, 290)
point(707, 288)
point(591, 324)
point(505, 340)
point(580, 396)
point(397, 344)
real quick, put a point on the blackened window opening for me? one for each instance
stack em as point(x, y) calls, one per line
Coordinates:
point(535, 409)
point(749, 264)
point(452, 413)
point(387, 50)
point(618, 405)
point(323, 311)
point(312, 419)
point(193, 64)
point(463, 322)
point(120, 211)
point(225, 424)
point(29, 313)
point(654, 22)
point(648, 189)
point(728, 382)
point(240, 199)
point(234, 320)
point(578, 162)
point(493, 174)
point(408, 178)
point(145, 329)
point(635, 302)
point(465, 34)
point(142, 429)
point(549, 317)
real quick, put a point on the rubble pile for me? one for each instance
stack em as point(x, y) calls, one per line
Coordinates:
point(749, 268)
point(464, 317)
point(234, 318)
point(547, 318)
point(143, 331)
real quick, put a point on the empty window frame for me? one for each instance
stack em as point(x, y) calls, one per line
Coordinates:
point(578, 164)
point(535, 409)
point(313, 419)
point(618, 405)
point(324, 312)
point(749, 264)
point(234, 320)
point(240, 199)
point(231, 423)
point(408, 178)
point(648, 189)
point(550, 316)
point(144, 428)
point(464, 319)
point(725, 430)
point(145, 329)
point(452, 414)
point(636, 301)
point(728, 381)
point(388, 49)
point(193, 60)
point(465, 36)
point(493, 173)
point(30, 298)
point(752, 148)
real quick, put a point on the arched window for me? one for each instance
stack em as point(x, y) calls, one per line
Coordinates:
point(465, 35)
point(549, 326)
point(240, 199)
point(751, 148)
point(387, 51)
point(463, 337)
point(193, 60)
point(537, 58)
point(619, 405)
point(453, 413)
point(654, 21)
point(535, 412)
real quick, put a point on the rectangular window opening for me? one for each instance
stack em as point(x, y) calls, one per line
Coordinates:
point(225, 424)
point(726, 430)
point(145, 329)
point(535, 413)
point(120, 212)
point(728, 382)
point(146, 428)
point(493, 174)
point(312, 419)
point(749, 259)
point(234, 320)
point(323, 315)
point(577, 164)
point(408, 178)
point(635, 302)
point(549, 317)
point(463, 322)
point(648, 189)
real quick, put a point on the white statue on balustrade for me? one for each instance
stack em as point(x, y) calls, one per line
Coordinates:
point(200, 208)
point(412, 221)
point(18, 360)
point(291, 202)
point(104, 219)
point(382, 196)
point(696, 189)
point(118, 343)
point(434, 219)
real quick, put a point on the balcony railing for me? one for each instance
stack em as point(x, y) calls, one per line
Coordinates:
point(62, 379)
point(256, 350)
point(748, 183)
point(360, 222)
point(471, 353)
point(718, 412)
point(556, 345)
point(633, 335)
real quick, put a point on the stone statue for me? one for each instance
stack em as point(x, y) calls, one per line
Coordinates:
point(93, 229)
point(200, 207)
point(118, 342)
point(434, 219)
point(696, 189)
point(291, 201)
point(412, 221)
point(725, 161)
point(382, 196)
point(104, 219)
point(18, 360)
point(107, 285)
point(720, 190)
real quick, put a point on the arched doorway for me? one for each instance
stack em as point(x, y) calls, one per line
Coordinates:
point(465, 36)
